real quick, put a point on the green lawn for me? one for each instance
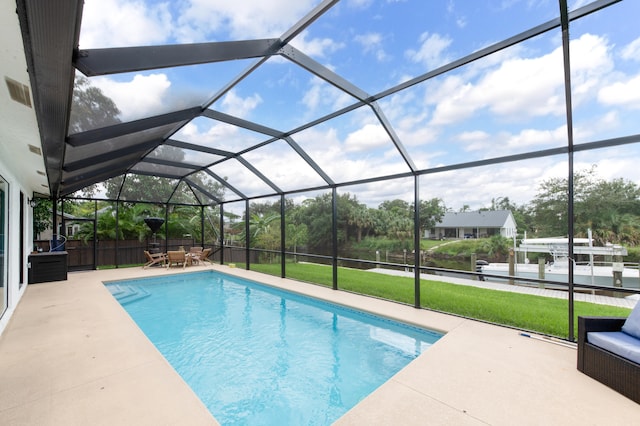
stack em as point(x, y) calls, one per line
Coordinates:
point(535, 313)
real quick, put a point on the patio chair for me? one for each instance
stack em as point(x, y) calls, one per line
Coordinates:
point(202, 256)
point(177, 257)
point(154, 259)
point(194, 253)
point(609, 351)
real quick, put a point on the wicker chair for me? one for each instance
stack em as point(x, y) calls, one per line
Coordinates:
point(202, 256)
point(178, 257)
point(154, 259)
point(620, 374)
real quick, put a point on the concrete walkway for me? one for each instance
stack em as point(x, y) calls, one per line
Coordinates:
point(72, 356)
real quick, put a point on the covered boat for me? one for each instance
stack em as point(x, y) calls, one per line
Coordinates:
point(592, 265)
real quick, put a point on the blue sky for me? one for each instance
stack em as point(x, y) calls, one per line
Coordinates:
point(508, 103)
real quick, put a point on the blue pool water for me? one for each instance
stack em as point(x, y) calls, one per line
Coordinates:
point(262, 356)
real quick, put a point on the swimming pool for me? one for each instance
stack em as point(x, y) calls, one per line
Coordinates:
point(259, 355)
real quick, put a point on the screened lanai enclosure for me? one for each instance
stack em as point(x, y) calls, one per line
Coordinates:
point(335, 133)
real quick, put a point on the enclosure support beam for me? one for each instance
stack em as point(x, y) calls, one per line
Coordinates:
point(94, 62)
point(63, 225)
point(117, 232)
point(166, 227)
point(247, 234)
point(95, 234)
point(283, 235)
point(334, 235)
point(101, 134)
point(564, 22)
point(202, 228)
point(222, 234)
point(416, 240)
point(54, 237)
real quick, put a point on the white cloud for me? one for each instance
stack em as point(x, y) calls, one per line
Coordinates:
point(618, 164)
point(608, 120)
point(417, 135)
point(535, 138)
point(240, 178)
point(476, 140)
point(520, 181)
point(453, 100)
point(316, 47)
point(359, 4)
point(331, 153)
point(622, 93)
point(450, 6)
point(366, 138)
point(119, 23)
point(214, 134)
point(241, 20)
point(142, 96)
point(431, 53)
point(476, 135)
point(585, 130)
point(313, 97)
point(238, 106)
point(521, 88)
point(280, 163)
point(496, 94)
point(591, 63)
point(321, 94)
point(578, 3)
point(504, 143)
point(372, 43)
point(631, 51)
point(461, 20)
point(477, 186)
point(529, 86)
point(375, 193)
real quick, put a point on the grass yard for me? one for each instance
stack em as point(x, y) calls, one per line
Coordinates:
point(534, 313)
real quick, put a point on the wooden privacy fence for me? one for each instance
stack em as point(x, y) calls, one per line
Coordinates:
point(113, 253)
point(233, 255)
point(131, 252)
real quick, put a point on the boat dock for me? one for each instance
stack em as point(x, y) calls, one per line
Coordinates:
point(623, 302)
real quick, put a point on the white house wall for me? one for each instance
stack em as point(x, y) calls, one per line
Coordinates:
point(21, 160)
point(14, 287)
point(509, 229)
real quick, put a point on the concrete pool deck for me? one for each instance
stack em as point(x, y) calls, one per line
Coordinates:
point(72, 356)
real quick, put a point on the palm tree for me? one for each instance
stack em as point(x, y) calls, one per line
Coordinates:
point(361, 218)
point(296, 235)
point(259, 224)
point(497, 246)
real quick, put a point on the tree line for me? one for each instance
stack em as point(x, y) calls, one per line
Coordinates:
point(611, 209)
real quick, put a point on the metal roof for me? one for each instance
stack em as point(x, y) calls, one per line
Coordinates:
point(152, 146)
point(477, 219)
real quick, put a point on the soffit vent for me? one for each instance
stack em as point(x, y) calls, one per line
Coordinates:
point(19, 92)
point(35, 149)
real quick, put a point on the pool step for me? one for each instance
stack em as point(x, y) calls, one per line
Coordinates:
point(128, 294)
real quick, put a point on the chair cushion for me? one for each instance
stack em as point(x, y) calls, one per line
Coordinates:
point(617, 342)
point(632, 324)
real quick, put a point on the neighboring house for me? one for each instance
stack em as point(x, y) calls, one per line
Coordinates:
point(477, 224)
point(72, 226)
